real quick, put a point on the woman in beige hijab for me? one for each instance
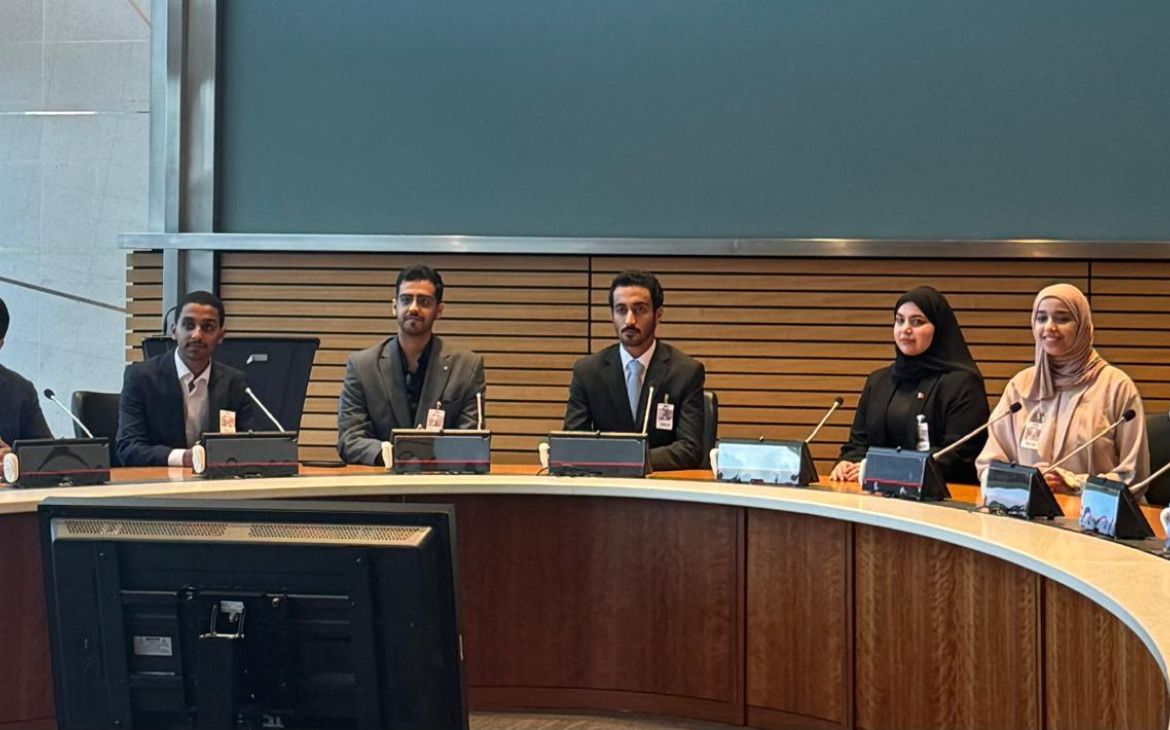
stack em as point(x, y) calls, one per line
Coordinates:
point(1068, 396)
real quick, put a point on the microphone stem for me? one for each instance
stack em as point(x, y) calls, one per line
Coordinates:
point(1146, 482)
point(973, 434)
point(75, 418)
point(815, 431)
point(646, 415)
point(266, 411)
point(1085, 445)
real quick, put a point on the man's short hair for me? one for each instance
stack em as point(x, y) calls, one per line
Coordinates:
point(3, 319)
point(206, 299)
point(420, 272)
point(644, 279)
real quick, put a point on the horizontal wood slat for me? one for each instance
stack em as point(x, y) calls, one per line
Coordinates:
point(780, 337)
point(143, 300)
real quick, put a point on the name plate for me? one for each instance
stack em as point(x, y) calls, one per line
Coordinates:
point(40, 463)
point(905, 474)
point(586, 453)
point(417, 451)
point(1109, 508)
point(1019, 491)
point(784, 463)
point(252, 454)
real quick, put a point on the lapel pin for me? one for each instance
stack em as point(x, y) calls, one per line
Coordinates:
point(921, 396)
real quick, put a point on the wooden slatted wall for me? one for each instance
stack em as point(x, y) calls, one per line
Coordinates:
point(525, 315)
point(780, 337)
point(143, 300)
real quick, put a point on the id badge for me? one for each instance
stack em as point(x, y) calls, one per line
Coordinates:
point(664, 419)
point(1031, 438)
point(227, 421)
point(435, 419)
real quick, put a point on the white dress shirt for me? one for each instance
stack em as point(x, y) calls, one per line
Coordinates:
point(195, 404)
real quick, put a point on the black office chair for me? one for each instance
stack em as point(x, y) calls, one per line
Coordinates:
point(1158, 436)
point(710, 425)
point(98, 411)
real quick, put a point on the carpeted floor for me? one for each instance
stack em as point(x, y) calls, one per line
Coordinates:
point(563, 721)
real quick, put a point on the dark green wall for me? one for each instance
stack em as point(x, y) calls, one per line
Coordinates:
point(752, 118)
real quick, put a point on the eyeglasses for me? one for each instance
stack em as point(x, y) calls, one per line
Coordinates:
point(422, 300)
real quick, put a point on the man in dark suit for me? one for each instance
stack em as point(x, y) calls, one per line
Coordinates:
point(169, 401)
point(610, 388)
point(20, 409)
point(412, 380)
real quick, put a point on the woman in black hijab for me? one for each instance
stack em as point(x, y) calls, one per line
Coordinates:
point(933, 376)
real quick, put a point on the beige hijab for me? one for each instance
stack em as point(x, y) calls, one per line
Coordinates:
point(1082, 364)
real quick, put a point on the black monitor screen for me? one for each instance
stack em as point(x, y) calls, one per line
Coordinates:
point(194, 614)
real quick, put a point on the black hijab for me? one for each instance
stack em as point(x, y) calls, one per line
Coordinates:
point(948, 350)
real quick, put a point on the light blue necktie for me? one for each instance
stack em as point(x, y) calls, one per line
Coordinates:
point(634, 386)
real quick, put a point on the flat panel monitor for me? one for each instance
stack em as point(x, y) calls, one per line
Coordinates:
point(202, 614)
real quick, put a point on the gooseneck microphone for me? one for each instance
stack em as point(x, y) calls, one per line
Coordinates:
point(1127, 416)
point(53, 397)
point(1135, 488)
point(837, 403)
point(1013, 408)
point(479, 410)
point(266, 411)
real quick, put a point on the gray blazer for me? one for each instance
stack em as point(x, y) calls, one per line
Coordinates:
point(373, 396)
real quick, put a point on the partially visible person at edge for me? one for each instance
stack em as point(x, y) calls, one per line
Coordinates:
point(20, 409)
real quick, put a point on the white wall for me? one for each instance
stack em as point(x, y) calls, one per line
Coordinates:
point(70, 184)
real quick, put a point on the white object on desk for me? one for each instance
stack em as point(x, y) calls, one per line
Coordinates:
point(198, 459)
point(11, 468)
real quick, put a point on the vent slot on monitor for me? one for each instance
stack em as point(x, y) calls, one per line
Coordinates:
point(240, 532)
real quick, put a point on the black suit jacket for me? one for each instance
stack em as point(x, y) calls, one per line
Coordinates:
point(151, 416)
point(955, 404)
point(20, 409)
point(598, 402)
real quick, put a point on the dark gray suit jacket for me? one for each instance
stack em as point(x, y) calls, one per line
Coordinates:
point(598, 402)
point(374, 402)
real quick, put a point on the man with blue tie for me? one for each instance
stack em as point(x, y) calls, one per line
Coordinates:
point(611, 389)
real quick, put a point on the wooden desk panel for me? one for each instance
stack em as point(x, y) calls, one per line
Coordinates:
point(726, 602)
point(602, 603)
point(1097, 672)
point(799, 621)
point(945, 637)
point(26, 677)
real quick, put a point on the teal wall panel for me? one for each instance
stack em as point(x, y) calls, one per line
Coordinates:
point(706, 118)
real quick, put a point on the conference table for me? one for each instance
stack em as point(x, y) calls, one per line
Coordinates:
point(771, 607)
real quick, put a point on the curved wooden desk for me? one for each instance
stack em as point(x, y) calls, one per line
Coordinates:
point(770, 607)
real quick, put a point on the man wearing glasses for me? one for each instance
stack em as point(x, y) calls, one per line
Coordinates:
point(412, 380)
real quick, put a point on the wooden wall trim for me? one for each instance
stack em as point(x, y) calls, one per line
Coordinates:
point(780, 337)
